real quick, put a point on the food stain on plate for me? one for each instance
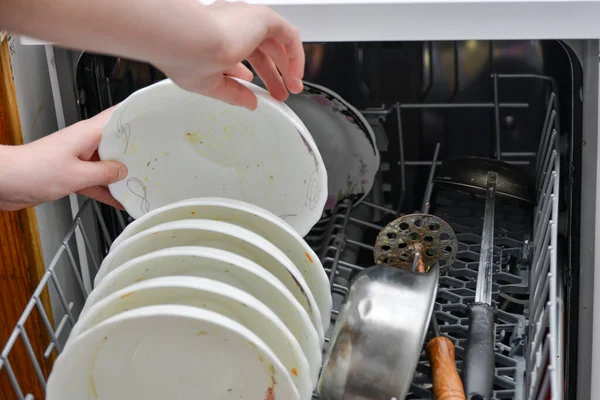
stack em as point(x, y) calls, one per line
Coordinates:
point(270, 395)
point(132, 149)
point(93, 388)
point(204, 146)
point(309, 257)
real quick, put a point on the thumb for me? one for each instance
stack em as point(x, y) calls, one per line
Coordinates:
point(99, 173)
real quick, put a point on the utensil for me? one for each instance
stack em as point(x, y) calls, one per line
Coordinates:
point(493, 177)
point(433, 238)
point(344, 138)
point(447, 384)
point(210, 295)
point(179, 145)
point(169, 352)
point(222, 266)
point(378, 336)
point(471, 173)
point(224, 236)
point(402, 244)
point(259, 221)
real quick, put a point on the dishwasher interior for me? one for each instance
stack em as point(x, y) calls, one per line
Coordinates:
point(518, 101)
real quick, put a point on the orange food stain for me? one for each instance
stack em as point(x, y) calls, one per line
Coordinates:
point(193, 212)
point(270, 394)
point(295, 371)
point(309, 257)
point(127, 295)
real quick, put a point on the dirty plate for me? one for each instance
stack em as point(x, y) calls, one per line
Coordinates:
point(169, 352)
point(214, 296)
point(222, 266)
point(344, 139)
point(179, 145)
point(259, 221)
point(224, 236)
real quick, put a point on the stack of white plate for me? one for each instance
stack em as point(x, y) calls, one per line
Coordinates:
point(205, 298)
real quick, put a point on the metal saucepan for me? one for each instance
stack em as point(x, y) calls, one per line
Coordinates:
point(492, 177)
point(378, 336)
point(379, 333)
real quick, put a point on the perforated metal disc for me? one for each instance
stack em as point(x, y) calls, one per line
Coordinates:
point(426, 234)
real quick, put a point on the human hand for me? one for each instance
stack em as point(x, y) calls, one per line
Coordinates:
point(241, 32)
point(57, 165)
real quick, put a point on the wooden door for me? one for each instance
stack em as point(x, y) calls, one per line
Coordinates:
point(21, 260)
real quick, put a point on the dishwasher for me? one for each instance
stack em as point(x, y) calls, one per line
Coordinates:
point(520, 101)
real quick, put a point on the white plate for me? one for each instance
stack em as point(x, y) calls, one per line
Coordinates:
point(259, 221)
point(214, 296)
point(224, 236)
point(344, 139)
point(169, 352)
point(223, 266)
point(178, 145)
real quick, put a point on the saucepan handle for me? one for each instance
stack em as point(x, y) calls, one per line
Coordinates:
point(478, 372)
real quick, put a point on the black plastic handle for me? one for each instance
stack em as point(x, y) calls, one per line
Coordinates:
point(478, 363)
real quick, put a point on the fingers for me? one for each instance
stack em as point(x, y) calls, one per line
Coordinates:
point(234, 93)
point(265, 68)
point(102, 194)
point(240, 71)
point(284, 33)
point(87, 174)
point(277, 52)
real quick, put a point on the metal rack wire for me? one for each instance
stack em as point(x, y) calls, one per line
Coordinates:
point(529, 344)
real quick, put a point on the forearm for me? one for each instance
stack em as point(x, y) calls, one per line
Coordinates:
point(151, 30)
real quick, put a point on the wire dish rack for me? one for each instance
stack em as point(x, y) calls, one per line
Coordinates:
point(528, 291)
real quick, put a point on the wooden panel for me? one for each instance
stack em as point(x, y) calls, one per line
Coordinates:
point(21, 260)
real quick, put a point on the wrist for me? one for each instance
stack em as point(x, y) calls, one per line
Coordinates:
point(6, 162)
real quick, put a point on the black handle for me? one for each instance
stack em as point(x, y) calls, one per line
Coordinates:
point(478, 363)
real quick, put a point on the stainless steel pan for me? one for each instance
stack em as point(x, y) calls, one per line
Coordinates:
point(378, 336)
point(379, 333)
